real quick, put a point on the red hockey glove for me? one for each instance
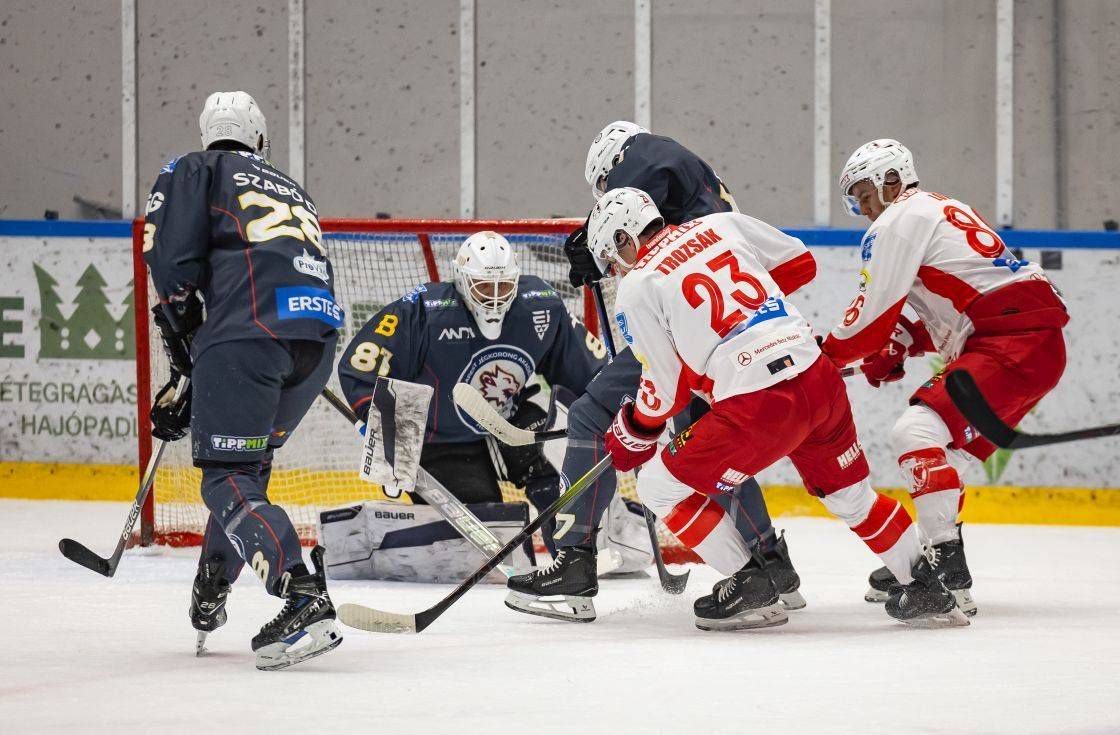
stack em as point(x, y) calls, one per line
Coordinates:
point(907, 339)
point(629, 444)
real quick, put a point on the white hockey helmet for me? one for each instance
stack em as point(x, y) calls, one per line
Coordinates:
point(872, 161)
point(603, 153)
point(486, 273)
point(234, 116)
point(618, 215)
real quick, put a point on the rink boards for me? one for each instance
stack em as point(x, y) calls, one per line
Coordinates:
point(67, 400)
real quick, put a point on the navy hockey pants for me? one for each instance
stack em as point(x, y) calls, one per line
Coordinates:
point(249, 396)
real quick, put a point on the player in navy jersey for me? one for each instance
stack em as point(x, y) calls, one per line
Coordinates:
point(683, 187)
point(228, 233)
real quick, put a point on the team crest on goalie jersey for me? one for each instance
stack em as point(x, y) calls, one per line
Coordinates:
point(499, 372)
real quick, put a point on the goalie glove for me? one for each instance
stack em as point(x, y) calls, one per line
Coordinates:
point(628, 442)
point(584, 271)
point(177, 321)
point(171, 413)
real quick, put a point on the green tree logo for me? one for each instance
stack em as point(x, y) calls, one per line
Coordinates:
point(92, 331)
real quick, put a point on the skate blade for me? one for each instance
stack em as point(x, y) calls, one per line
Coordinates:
point(763, 617)
point(792, 600)
point(317, 639)
point(200, 644)
point(569, 608)
point(874, 595)
point(955, 618)
point(965, 602)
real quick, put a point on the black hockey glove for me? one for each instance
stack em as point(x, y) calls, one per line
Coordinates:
point(584, 271)
point(177, 322)
point(171, 414)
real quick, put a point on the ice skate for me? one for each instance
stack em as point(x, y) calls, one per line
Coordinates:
point(953, 570)
point(562, 590)
point(746, 599)
point(305, 627)
point(785, 577)
point(208, 602)
point(925, 603)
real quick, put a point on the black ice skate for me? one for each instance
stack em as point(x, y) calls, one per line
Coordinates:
point(746, 599)
point(208, 602)
point(785, 577)
point(562, 590)
point(952, 568)
point(305, 628)
point(925, 603)
point(881, 584)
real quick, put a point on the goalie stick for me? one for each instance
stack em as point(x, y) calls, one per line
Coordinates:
point(80, 554)
point(379, 621)
point(971, 403)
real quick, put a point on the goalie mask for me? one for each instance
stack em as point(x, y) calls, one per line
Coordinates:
point(872, 161)
point(486, 273)
point(604, 153)
point(234, 116)
point(621, 215)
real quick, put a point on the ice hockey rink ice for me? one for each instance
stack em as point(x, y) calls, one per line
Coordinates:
point(87, 654)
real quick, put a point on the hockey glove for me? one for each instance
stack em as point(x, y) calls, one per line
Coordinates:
point(177, 321)
point(171, 414)
point(584, 271)
point(886, 366)
point(628, 442)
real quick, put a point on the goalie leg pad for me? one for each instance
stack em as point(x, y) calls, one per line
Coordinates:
point(413, 543)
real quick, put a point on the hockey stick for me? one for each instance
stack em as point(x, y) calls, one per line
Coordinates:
point(674, 584)
point(80, 554)
point(378, 621)
point(971, 403)
point(466, 523)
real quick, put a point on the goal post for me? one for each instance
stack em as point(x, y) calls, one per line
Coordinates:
point(375, 262)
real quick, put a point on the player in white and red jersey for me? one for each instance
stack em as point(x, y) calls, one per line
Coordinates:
point(704, 306)
point(980, 307)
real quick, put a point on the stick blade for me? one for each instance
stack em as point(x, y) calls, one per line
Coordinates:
point(674, 584)
point(79, 554)
point(468, 398)
point(968, 399)
point(376, 621)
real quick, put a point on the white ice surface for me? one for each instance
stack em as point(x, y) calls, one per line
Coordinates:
point(87, 654)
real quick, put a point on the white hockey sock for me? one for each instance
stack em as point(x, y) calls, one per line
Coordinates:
point(696, 520)
point(881, 523)
point(920, 438)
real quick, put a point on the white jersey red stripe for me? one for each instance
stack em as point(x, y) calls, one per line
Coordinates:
point(935, 253)
point(704, 311)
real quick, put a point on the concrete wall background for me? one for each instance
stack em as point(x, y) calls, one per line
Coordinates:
point(732, 80)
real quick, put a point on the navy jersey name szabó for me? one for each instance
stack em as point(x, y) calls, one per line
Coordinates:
point(429, 336)
point(248, 238)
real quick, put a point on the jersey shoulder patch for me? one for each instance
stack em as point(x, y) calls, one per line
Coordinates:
point(436, 295)
point(535, 289)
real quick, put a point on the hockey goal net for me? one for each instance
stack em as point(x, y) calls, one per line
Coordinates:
point(375, 262)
